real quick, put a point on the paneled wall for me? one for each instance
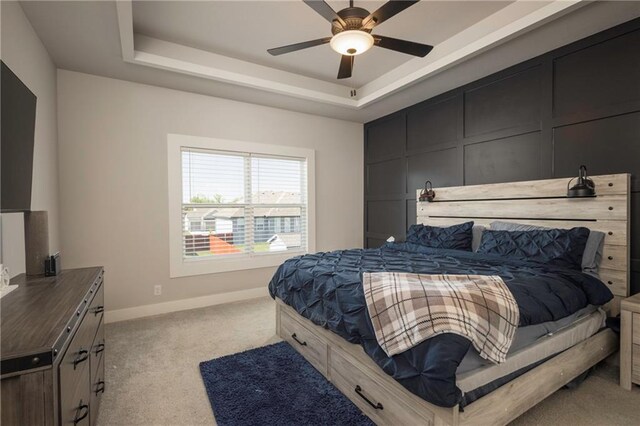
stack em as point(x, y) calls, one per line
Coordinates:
point(579, 104)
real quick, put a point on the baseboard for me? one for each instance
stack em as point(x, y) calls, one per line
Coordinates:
point(183, 304)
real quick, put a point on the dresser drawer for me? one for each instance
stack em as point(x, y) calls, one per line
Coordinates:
point(97, 390)
point(636, 329)
point(77, 357)
point(376, 402)
point(97, 350)
point(96, 308)
point(75, 405)
point(312, 348)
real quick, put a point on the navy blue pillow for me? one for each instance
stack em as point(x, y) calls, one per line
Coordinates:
point(456, 237)
point(561, 247)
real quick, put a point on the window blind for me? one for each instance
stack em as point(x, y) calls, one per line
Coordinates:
point(238, 204)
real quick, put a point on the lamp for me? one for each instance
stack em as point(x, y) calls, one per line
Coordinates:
point(427, 194)
point(351, 42)
point(584, 187)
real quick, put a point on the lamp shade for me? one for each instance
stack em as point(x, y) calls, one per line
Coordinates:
point(427, 194)
point(584, 186)
point(352, 42)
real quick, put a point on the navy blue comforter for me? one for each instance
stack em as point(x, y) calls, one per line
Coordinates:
point(327, 289)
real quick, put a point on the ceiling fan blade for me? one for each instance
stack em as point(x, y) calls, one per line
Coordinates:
point(298, 46)
point(386, 11)
point(346, 66)
point(404, 46)
point(325, 11)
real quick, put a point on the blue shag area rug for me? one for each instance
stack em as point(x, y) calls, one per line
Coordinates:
point(274, 385)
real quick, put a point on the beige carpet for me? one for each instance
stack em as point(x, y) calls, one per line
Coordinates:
point(153, 379)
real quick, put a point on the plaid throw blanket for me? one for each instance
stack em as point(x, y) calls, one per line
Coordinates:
point(406, 309)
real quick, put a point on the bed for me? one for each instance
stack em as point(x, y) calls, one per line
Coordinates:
point(320, 304)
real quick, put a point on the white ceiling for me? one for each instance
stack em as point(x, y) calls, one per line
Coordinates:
point(246, 29)
point(218, 48)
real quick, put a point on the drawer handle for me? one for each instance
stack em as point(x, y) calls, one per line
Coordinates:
point(83, 355)
point(81, 412)
point(99, 387)
point(98, 310)
point(295, 337)
point(377, 406)
point(99, 348)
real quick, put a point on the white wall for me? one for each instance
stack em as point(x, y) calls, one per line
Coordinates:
point(113, 179)
point(25, 54)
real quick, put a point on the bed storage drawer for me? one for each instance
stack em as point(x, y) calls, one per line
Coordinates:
point(304, 341)
point(374, 400)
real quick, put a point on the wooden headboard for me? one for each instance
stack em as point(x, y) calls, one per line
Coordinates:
point(545, 203)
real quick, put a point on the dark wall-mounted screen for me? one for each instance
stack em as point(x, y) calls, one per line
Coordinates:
point(18, 115)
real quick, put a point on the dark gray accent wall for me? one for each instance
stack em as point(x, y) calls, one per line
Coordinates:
point(579, 104)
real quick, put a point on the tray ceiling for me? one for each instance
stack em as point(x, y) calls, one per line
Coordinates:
point(218, 48)
point(246, 29)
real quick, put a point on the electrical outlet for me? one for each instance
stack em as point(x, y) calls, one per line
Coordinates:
point(157, 290)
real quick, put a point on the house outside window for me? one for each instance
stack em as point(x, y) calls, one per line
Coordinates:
point(238, 205)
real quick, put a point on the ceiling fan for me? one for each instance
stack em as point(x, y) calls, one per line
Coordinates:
point(351, 28)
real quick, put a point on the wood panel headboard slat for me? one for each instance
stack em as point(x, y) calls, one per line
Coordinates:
point(544, 203)
point(605, 184)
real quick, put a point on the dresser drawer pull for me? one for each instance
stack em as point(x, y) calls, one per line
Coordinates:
point(98, 310)
point(99, 348)
point(295, 337)
point(83, 355)
point(377, 406)
point(81, 412)
point(99, 387)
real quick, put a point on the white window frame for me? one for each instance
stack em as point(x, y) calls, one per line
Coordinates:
point(181, 267)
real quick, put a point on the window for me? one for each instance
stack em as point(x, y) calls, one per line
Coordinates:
point(221, 187)
point(237, 201)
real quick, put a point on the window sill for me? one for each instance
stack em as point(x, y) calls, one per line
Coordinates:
point(202, 266)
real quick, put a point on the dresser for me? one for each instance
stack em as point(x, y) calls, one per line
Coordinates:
point(630, 341)
point(52, 349)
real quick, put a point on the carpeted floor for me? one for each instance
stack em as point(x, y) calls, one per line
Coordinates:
point(153, 378)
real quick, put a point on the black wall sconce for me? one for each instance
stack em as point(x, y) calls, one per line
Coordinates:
point(427, 194)
point(584, 187)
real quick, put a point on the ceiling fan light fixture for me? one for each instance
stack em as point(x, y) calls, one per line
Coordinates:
point(352, 42)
